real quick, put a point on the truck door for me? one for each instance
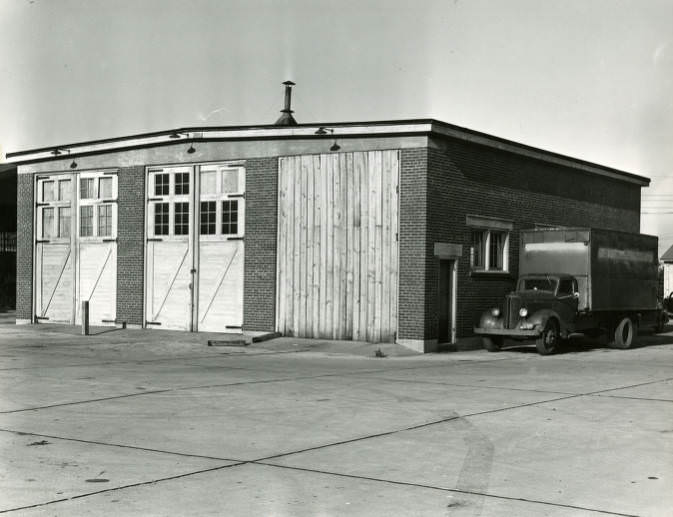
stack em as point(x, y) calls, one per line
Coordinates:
point(566, 301)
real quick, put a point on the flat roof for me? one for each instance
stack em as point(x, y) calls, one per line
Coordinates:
point(412, 127)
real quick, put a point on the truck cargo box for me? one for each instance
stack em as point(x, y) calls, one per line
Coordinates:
point(615, 271)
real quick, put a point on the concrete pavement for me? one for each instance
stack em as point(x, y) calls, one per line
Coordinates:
point(133, 422)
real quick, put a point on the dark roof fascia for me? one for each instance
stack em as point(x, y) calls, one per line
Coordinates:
point(437, 126)
point(204, 129)
point(183, 141)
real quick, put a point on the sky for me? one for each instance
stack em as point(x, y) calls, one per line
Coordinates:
point(591, 79)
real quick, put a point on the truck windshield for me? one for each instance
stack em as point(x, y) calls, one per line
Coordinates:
point(538, 284)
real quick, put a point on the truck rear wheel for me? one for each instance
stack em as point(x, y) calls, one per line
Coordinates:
point(493, 343)
point(624, 334)
point(548, 342)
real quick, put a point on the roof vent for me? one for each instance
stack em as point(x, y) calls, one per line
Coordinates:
point(286, 119)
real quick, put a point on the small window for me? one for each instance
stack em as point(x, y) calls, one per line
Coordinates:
point(565, 287)
point(229, 181)
point(489, 250)
point(161, 218)
point(497, 251)
point(229, 217)
point(86, 221)
point(64, 190)
point(181, 218)
point(104, 220)
point(64, 221)
point(48, 191)
point(161, 185)
point(208, 182)
point(181, 183)
point(478, 247)
point(208, 217)
point(86, 188)
point(105, 188)
point(47, 223)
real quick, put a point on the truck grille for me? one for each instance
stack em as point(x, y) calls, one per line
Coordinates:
point(512, 306)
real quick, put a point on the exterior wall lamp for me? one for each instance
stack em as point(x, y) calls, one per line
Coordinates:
point(328, 131)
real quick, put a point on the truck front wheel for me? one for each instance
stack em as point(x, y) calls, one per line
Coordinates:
point(624, 334)
point(548, 342)
point(493, 343)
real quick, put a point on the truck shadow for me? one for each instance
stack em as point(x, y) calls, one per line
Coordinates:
point(645, 339)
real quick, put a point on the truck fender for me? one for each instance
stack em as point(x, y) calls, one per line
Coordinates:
point(541, 317)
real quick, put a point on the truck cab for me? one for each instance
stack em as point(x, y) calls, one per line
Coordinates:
point(543, 307)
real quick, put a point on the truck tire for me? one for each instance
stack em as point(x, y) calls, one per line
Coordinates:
point(493, 343)
point(624, 335)
point(548, 342)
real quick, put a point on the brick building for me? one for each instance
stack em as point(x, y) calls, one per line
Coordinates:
point(379, 231)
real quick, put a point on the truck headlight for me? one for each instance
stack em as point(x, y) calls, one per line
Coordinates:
point(523, 312)
point(495, 312)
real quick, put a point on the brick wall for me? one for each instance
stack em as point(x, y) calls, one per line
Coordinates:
point(413, 245)
point(24, 247)
point(261, 226)
point(470, 179)
point(130, 244)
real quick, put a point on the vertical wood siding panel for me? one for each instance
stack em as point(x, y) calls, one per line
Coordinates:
point(364, 246)
point(336, 301)
point(348, 197)
point(371, 245)
point(329, 318)
point(317, 214)
point(385, 255)
point(296, 208)
point(358, 164)
point(324, 235)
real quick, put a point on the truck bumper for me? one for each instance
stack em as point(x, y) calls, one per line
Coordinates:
point(510, 333)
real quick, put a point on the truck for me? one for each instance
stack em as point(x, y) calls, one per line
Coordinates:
point(578, 282)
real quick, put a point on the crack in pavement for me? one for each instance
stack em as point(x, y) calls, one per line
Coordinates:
point(114, 489)
point(444, 489)
point(208, 386)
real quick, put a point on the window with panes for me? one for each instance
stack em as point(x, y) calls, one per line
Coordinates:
point(169, 202)
point(221, 205)
point(489, 251)
point(97, 205)
point(54, 214)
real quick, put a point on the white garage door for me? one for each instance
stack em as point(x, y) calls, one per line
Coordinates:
point(195, 248)
point(76, 252)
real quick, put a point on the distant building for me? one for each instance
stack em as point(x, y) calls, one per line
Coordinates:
point(667, 260)
point(7, 236)
point(387, 231)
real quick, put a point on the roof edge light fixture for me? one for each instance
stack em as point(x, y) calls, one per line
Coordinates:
point(328, 131)
point(191, 149)
point(73, 165)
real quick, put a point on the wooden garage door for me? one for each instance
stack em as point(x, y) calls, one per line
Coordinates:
point(76, 252)
point(221, 248)
point(55, 249)
point(195, 248)
point(337, 246)
point(170, 248)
